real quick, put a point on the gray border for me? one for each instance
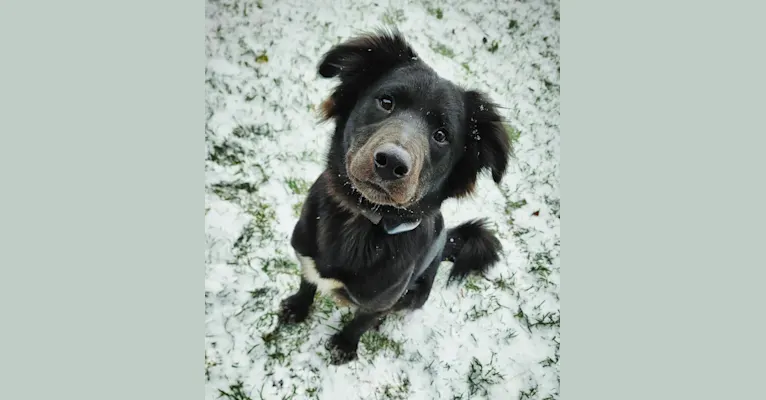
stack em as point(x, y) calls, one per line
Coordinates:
point(649, 124)
point(103, 173)
point(102, 292)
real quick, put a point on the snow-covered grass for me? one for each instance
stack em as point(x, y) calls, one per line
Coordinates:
point(492, 337)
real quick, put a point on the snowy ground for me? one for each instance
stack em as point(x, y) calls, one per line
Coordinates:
point(495, 337)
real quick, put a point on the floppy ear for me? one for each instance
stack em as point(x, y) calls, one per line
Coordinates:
point(359, 62)
point(487, 147)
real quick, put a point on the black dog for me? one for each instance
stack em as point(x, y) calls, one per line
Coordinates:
point(371, 232)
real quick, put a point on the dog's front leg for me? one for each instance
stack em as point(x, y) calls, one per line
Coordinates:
point(343, 345)
point(296, 307)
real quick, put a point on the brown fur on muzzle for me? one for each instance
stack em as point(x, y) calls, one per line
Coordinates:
point(360, 164)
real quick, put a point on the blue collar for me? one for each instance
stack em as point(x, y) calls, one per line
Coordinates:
point(401, 227)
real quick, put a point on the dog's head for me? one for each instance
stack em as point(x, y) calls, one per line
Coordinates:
point(405, 138)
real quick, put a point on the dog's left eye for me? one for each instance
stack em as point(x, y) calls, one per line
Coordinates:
point(386, 102)
point(440, 135)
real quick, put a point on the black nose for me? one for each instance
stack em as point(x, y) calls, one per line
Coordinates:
point(392, 162)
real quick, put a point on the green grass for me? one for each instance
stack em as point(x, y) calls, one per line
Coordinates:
point(208, 364)
point(231, 191)
point(511, 206)
point(283, 341)
point(324, 304)
point(375, 342)
point(297, 209)
point(436, 12)
point(249, 132)
point(310, 155)
point(514, 134)
point(266, 320)
point(472, 284)
point(476, 312)
point(554, 205)
point(541, 267)
point(481, 311)
point(550, 85)
point(510, 335)
point(494, 46)
point(541, 270)
point(518, 232)
point(394, 16)
point(547, 320)
point(522, 317)
point(298, 186)
point(302, 157)
point(443, 50)
point(482, 376)
point(229, 153)
point(263, 216)
point(261, 298)
point(235, 392)
point(279, 265)
point(548, 362)
point(397, 391)
point(528, 394)
point(256, 231)
point(241, 246)
point(312, 392)
point(504, 284)
point(346, 317)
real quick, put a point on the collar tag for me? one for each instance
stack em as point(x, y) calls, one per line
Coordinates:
point(403, 227)
point(376, 218)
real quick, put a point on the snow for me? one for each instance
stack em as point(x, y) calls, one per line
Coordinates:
point(275, 102)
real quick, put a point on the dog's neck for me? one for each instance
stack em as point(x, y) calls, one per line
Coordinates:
point(392, 224)
point(389, 225)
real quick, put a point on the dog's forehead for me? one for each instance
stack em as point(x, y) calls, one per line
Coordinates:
point(425, 86)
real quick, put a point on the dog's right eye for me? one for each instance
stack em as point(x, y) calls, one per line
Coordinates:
point(386, 103)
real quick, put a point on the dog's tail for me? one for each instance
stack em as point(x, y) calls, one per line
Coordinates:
point(472, 248)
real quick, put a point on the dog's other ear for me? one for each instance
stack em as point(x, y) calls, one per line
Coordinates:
point(488, 145)
point(370, 54)
point(359, 62)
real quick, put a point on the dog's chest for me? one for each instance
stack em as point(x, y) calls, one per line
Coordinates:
point(370, 263)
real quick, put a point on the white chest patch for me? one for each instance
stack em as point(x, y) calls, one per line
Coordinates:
point(310, 273)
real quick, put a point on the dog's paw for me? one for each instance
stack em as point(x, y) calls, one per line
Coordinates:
point(341, 350)
point(292, 311)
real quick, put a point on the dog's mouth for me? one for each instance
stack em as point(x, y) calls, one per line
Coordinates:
point(377, 188)
point(373, 192)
